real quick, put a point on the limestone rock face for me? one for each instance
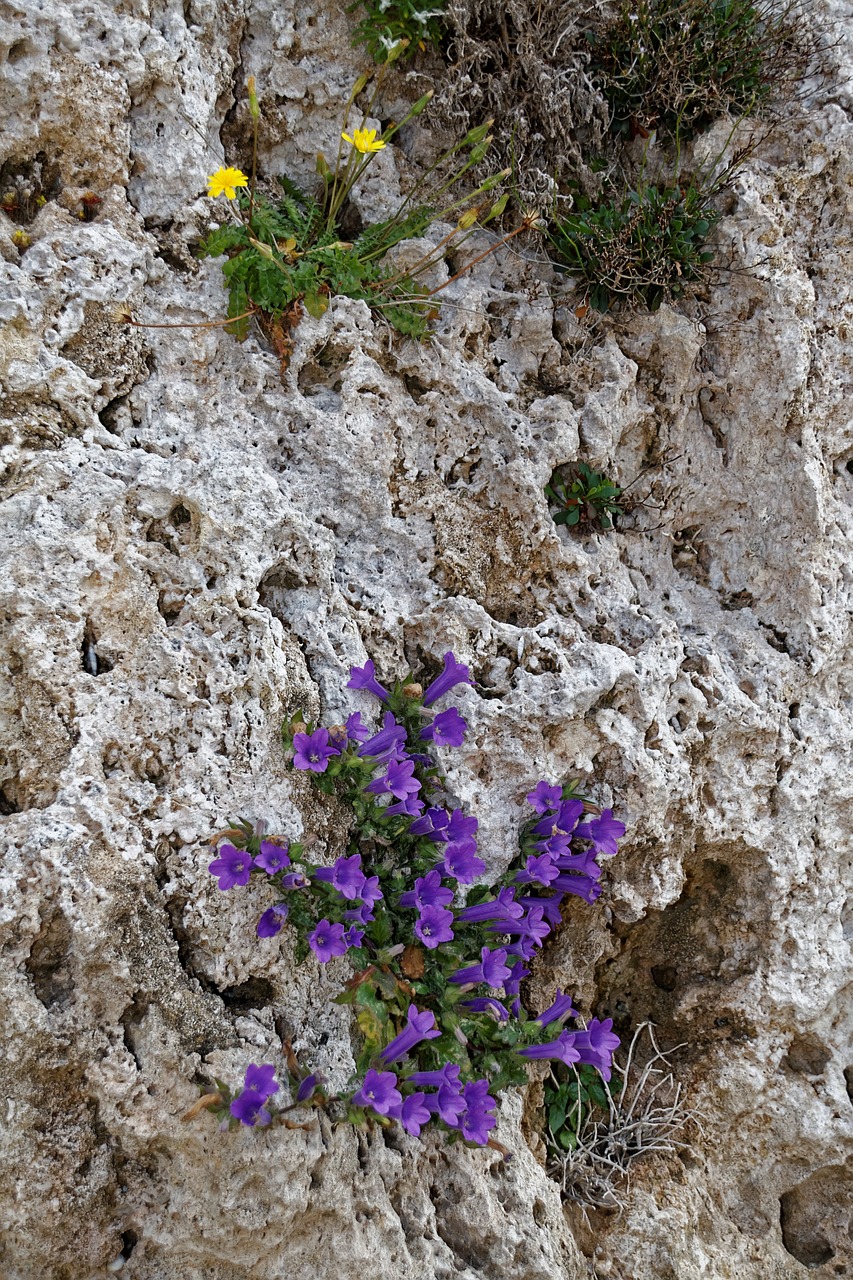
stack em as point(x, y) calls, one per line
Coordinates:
point(196, 547)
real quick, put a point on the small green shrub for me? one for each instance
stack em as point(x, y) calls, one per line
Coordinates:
point(582, 497)
point(388, 22)
point(642, 247)
point(675, 66)
point(287, 252)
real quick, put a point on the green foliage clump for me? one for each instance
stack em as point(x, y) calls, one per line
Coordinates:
point(582, 496)
point(644, 246)
point(287, 252)
point(675, 66)
point(387, 23)
point(572, 1094)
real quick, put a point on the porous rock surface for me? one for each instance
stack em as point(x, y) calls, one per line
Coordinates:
point(196, 548)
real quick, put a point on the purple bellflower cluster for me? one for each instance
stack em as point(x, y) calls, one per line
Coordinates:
point(438, 956)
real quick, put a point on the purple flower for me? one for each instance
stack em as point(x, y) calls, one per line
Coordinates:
point(370, 891)
point(387, 742)
point(448, 1075)
point(232, 867)
point(539, 870)
point(272, 857)
point(397, 779)
point(545, 796)
point(271, 921)
point(307, 1088)
point(411, 807)
point(428, 892)
point(561, 1008)
point(249, 1109)
point(420, 1026)
point(295, 880)
point(563, 1049)
point(432, 824)
point(503, 907)
point(460, 827)
point(584, 863)
point(533, 927)
point(550, 907)
point(454, 673)
point(433, 926)
point(361, 915)
point(447, 729)
point(448, 1103)
point(603, 832)
point(563, 822)
point(492, 969)
point(379, 1092)
point(354, 936)
point(596, 1045)
point(583, 886)
point(356, 731)
point(346, 876)
point(478, 1118)
point(487, 1004)
point(327, 940)
point(461, 861)
point(512, 985)
point(261, 1080)
point(365, 678)
point(313, 751)
point(413, 1115)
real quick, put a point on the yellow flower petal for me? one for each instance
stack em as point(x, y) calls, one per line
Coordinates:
point(225, 182)
point(364, 140)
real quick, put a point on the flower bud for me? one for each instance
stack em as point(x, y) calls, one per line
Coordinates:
point(473, 136)
point(421, 103)
point(254, 109)
point(338, 733)
point(469, 218)
point(412, 691)
point(299, 726)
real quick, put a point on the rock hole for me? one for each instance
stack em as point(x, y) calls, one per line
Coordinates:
point(256, 993)
point(49, 962)
point(848, 1080)
point(18, 50)
point(8, 804)
point(94, 663)
point(816, 1216)
point(665, 976)
point(807, 1055)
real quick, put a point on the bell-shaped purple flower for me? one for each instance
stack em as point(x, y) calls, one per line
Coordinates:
point(448, 1104)
point(448, 1075)
point(432, 824)
point(412, 806)
point(597, 1044)
point(272, 920)
point(538, 870)
point(308, 1087)
point(562, 1049)
point(561, 1008)
point(461, 861)
point(477, 1120)
point(419, 1026)
point(272, 857)
point(232, 867)
point(346, 876)
point(354, 936)
point(249, 1109)
point(487, 1004)
point(447, 729)
point(512, 985)
point(454, 673)
point(563, 822)
point(365, 678)
point(388, 742)
point(603, 831)
point(327, 940)
point(545, 796)
point(357, 731)
point(295, 880)
point(461, 826)
point(379, 1092)
point(398, 779)
point(413, 1115)
point(503, 907)
point(313, 751)
point(492, 969)
point(582, 886)
point(550, 907)
point(428, 892)
point(434, 926)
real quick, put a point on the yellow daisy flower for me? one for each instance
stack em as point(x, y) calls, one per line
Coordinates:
point(364, 140)
point(225, 182)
